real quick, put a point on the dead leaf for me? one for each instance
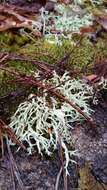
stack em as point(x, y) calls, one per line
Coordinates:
point(85, 30)
point(90, 78)
point(102, 20)
point(16, 17)
point(64, 1)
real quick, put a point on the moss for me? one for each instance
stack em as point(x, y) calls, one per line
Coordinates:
point(44, 51)
point(12, 41)
point(101, 49)
point(87, 52)
point(82, 56)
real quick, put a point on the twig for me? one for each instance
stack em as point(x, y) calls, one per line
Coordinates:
point(58, 178)
point(1, 141)
point(62, 97)
point(12, 174)
point(9, 132)
point(14, 166)
point(60, 64)
point(42, 66)
point(65, 181)
point(62, 162)
point(31, 81)
point(4, 57)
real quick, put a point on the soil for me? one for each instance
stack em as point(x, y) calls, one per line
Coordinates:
point(37, 173)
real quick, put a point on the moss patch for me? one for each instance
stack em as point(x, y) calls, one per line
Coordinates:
point(82, 56)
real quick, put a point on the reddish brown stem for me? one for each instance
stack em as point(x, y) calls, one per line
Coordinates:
point(31, 81)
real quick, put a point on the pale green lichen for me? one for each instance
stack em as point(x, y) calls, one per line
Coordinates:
point(94, 2)
point(103, 83)
point(67, 21)
point(100, 86)
point(35, 117)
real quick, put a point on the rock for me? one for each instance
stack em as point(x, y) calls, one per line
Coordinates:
point(87, 181)
point(99, 168)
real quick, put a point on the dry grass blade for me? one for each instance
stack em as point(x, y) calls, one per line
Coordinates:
point(14, 169)
point(6, 131)
point(61, 157)
point(58, 178)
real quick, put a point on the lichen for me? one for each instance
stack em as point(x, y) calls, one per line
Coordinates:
point(67, 20)
point(44, 124)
